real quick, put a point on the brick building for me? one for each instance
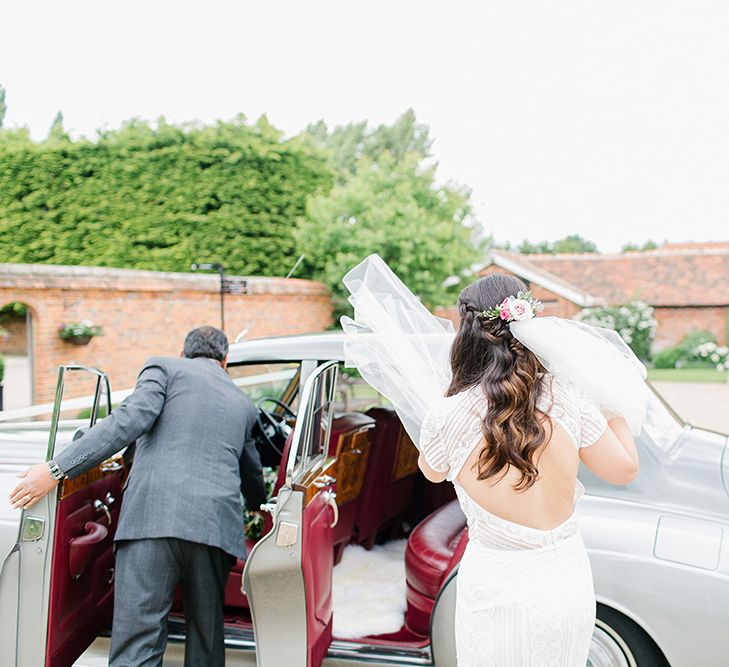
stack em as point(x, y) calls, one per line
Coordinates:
point(142, 313)
point(686, 283)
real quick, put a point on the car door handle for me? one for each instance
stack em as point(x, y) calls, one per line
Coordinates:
point(330, 498)
point(323, 481)
point(270, 506)
point(99, 506)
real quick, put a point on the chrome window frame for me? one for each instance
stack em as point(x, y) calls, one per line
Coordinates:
point(102, 386)
point(326, 372)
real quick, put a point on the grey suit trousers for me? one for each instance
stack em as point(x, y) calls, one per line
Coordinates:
point(147, 573)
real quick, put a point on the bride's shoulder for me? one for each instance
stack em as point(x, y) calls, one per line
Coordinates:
point(563, 391)
point(446, 406)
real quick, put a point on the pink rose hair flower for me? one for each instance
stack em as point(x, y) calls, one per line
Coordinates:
point(514, 309)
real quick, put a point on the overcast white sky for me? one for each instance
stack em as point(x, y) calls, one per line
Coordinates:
point(608, 119)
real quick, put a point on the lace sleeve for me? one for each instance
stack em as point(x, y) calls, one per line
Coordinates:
point(431, 443)
point(592, 421)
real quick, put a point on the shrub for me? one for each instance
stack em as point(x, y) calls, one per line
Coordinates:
point(160, 198)
point(697, 349)
point(633, 321)
point(713, 354)
point(669, 357)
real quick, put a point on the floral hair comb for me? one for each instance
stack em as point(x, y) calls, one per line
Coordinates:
point(514, 309)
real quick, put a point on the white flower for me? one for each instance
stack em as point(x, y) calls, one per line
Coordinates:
point(520, 310)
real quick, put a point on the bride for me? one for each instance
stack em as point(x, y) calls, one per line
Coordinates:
point(507, 424)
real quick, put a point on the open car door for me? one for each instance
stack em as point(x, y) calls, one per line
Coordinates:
point(288, 574)
point(66, 565)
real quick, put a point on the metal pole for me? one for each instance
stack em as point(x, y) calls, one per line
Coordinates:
point(221, 269)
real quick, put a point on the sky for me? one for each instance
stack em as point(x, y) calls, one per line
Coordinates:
point(606, 119)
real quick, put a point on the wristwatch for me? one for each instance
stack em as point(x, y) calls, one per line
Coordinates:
point(55, 470)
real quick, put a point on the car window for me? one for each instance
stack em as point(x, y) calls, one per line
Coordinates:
point(277, 380)
point(354, 394)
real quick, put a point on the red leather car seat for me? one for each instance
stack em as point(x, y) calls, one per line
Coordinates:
point(384, 500)
point(434, 548)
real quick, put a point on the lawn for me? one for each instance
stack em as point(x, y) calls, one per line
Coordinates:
point(686, 375)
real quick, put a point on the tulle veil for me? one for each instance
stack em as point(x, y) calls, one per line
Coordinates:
point(402, 350)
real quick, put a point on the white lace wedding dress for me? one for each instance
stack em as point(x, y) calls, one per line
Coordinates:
point(525, 596)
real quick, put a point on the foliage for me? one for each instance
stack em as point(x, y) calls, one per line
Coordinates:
point(392, 207)
point(636, 247)
point(346, 145)
point(159, 197)
point(633, 321)
point(386, 200)
point(252, 522)
point(14, 309)
point(79, 330)
point(573, 243)
point(2, 367)
point(711, 353)
point(698, 349)
point(3, 105)
point(57, 133)
point(668, 357)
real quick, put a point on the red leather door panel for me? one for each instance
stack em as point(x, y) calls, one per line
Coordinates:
point(81, 594)
point(318, 562)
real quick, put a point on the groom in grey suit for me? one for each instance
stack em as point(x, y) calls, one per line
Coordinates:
point(181, 518)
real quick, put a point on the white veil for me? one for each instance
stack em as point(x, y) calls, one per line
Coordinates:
point(402, 350)
point(395, 342)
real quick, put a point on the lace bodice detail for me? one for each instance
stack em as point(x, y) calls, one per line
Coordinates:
point(452, 429)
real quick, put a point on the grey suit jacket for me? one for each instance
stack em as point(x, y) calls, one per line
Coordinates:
point(194, 454)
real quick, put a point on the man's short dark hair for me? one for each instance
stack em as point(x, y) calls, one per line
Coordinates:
point(206, 342)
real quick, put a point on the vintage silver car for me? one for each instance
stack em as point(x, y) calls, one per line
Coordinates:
point(347, 473)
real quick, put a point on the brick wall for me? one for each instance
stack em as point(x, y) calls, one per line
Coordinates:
point(675, 323)
point(145, 313)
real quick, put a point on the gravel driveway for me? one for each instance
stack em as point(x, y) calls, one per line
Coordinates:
point(702, 404)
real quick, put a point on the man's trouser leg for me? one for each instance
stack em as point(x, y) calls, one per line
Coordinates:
point(204, 575)
point(147, 572)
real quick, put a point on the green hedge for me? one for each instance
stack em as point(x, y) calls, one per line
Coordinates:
point(159, 198)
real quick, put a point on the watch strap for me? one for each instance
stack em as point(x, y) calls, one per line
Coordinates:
point(55, 470)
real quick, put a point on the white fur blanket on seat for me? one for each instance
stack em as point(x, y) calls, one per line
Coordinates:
point(369, 590)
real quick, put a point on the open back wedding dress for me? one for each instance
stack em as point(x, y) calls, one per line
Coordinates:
point(524, 595)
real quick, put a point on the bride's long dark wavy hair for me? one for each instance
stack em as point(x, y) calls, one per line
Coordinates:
point(485, 353)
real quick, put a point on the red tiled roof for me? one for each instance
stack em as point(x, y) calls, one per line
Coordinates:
point(672, 275)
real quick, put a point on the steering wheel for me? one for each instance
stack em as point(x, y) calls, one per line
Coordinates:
point(272, 429)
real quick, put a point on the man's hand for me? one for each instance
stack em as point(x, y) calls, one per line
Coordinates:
point(37, 483)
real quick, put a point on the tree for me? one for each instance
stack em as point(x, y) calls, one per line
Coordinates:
point(57, 133)
point(347, 144)
point(530, 248)
point(392, 207)
point(636, 247)
point(571, 244)
point(3, 106)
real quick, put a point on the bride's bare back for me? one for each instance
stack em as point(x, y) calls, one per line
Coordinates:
point(544, 505)
point(578, 432)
